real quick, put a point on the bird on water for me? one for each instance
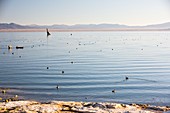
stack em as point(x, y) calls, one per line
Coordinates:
point(126, 78)
point(48, 33)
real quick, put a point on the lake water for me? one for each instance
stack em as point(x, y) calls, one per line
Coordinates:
point(94, 64)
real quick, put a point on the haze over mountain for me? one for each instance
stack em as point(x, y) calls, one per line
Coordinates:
point(83, 26)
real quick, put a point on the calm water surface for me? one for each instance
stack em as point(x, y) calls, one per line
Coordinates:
point(101, 61)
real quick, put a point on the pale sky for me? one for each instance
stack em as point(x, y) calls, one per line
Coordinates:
point(48, 12)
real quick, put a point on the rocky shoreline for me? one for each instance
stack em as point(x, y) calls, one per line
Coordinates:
point(78, 107)
point(14, 104)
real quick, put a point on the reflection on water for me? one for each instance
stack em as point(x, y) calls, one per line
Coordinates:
point(87, 66)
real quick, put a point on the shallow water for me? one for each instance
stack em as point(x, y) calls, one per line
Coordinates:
point(101, 61)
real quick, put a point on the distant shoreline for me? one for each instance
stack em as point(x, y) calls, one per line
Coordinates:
point(79, 30)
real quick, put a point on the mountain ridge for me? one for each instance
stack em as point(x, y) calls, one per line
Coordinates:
point(83, 26)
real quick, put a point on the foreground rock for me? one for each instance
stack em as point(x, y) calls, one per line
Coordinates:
point(77, 107)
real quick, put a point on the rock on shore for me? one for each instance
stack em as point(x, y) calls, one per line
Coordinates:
point(77, 107)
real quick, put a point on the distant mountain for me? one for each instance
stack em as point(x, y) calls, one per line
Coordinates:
point(83, 26)
point(13, 26)
point(159, 26)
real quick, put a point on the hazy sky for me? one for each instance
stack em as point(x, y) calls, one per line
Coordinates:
point(129, 12)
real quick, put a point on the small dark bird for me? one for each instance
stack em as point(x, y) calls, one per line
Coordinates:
point(48, 33)
point(113, 91)
point(47, 67)
point(57, 87)
point(62, 72)
point(126, 78)
point(71, 34)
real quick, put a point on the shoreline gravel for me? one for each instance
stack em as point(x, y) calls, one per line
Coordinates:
point(78, 107)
